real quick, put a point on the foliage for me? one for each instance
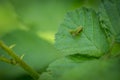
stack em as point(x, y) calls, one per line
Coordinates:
point(66, 69)
point(87, 43)
point(84, 42)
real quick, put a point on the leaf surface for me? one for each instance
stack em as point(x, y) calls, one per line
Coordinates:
point(91, 40)
point(66, 69)
point(110, 18)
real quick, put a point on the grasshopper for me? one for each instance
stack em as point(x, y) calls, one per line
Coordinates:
point(76, 31)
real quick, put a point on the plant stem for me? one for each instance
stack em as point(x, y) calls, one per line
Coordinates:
point(5, 60)
point(10, 52)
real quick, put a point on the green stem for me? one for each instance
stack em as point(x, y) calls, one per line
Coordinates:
point(10, 52)
point(5, 60)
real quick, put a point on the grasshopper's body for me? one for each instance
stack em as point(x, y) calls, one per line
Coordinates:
point(76, 31)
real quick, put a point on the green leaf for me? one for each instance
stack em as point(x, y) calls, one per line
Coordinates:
point(57, 68)
point(91, 40)
point(109, 13)
point(65, 69)
point(37, 52)
point(94, 70)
